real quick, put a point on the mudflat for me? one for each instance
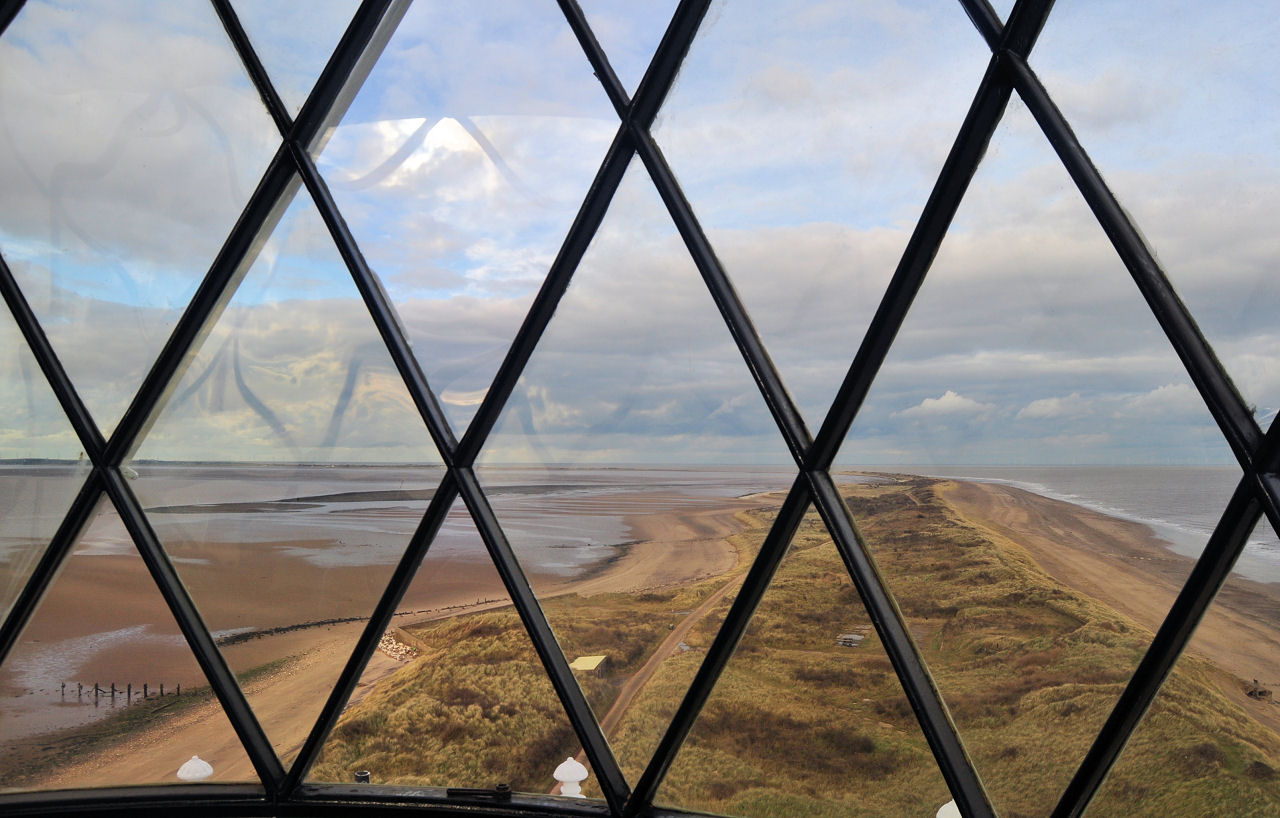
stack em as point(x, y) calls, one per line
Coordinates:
point(287, 627)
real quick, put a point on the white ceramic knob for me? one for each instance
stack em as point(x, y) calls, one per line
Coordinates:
point(196, 769)
point(570, 774)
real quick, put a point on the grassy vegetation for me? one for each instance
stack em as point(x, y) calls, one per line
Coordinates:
point(476, 708)
point(801, 726)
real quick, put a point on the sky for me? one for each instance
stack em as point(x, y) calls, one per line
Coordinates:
point(806, 136)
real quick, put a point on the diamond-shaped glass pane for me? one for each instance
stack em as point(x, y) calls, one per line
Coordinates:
point(807, 170)
point(1188, 147)
point(459, 167)
point(294, 40)
point(1210, 744)
point(249, 474)
point(101, 689)
point(41, 465)
point(633, 468)
point(1084, 466)
point(133, 139)
point(809, 717)
point(455, 695)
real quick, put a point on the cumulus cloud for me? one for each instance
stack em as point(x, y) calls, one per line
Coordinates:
point(1048, 408)
point(949, 403)
point(1165, 400)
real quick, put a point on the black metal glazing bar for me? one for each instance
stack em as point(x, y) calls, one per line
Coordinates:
point(985, 20)
point(653, 88)
point(958, 170)
point(8, 10)
point(1210, 571)
point(215, 668)
point(596, 56)
point(82, 422)
point(248, 233)
point(1225, 403)
point(1269, 497)
point(379, 305)
point(257, 72)
point(961, 164)
point(553, 288)
point(77, 517)
point(722, 647)
point(401, 578)
point(607, 771)
point(361, 44)
point(781, 406)
point(661, 73)
point(935, 721)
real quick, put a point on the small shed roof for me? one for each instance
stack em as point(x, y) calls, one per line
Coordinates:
point(588, 662)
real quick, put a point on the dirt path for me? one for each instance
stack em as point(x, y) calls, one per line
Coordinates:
point(632, 687)
point(672, 549)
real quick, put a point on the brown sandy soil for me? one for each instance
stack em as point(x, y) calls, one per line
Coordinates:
point(1124, 565)
point(256, 586)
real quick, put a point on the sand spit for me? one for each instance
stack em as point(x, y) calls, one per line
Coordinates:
point(1125, 566)
point(1117, 562)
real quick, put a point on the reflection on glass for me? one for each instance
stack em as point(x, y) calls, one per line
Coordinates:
point(455, 694)
point(286, 473)
point(459, 167)
point(294, 40)
point(807, 140)
point(1082, 472)
point(607, 469)
point(101, 689)
point(1188, 147)
point(629, 33)
point(131, 141)
point(41, 467)
point(1210, 744)
point(808, 717)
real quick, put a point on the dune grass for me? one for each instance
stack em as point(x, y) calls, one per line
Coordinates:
point(801, 726)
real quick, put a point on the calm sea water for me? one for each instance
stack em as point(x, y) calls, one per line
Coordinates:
point(557, 518)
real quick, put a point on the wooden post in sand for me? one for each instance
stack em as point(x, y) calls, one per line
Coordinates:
point(129, 695)
point(144, 690)
point(162, 688)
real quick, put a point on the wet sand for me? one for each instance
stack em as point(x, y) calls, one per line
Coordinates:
point(255, 587)
point(1120, 563)
point(1125, 566)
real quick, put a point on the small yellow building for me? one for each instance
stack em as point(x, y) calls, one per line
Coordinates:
point(590, 664)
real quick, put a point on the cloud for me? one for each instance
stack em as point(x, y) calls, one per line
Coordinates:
point(1048, 408)
point(949, 404)
point(1166, 400)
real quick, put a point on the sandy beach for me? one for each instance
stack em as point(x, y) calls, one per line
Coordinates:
point(1119, 563)
point(1124, 565)
point(239, 587)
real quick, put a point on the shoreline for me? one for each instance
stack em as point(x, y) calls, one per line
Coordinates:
point(665, 548)
point(1121, 563)
point(1128, 567)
